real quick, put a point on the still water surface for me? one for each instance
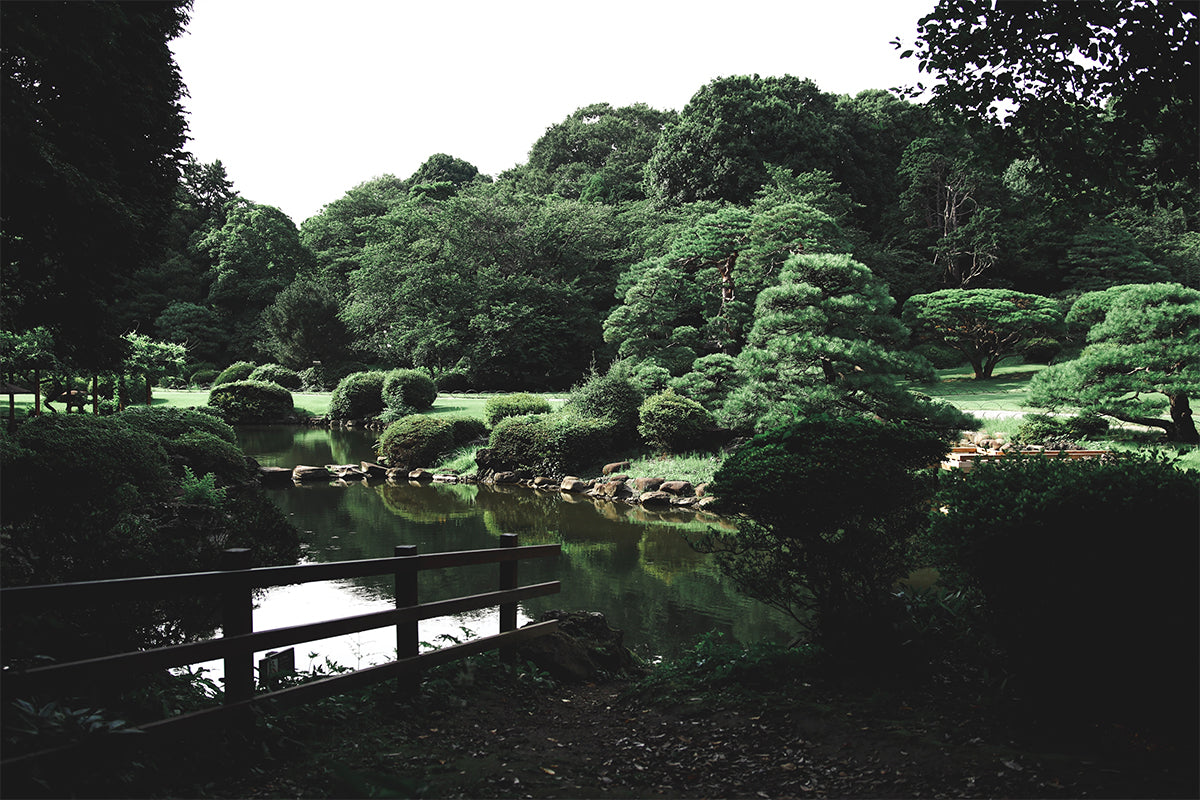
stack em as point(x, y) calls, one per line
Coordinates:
point(634, 566)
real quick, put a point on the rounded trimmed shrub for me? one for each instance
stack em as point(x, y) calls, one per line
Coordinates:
point(252, 401)
point(466, 429)
point(415, 441)
point(1041, 350)
point(553, 444)
point(237, 371)
point(409, 388)
point(358, 395)
point(205, 453)
point(613, 397)
point(514, 405)
point(276, 373)
point(676, 424)
point(171, 423)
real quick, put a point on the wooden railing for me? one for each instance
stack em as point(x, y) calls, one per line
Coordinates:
point(236, 582)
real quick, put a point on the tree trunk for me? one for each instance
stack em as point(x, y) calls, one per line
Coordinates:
point(37, 392)
point(982, 370)
point(1181, 416)
point(95, 395)
point(149, 391)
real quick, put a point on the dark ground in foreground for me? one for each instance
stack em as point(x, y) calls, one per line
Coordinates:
point(796, 740)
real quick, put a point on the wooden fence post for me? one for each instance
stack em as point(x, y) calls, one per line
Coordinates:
point(508, 580)
point(237, 618)
point(408, 640)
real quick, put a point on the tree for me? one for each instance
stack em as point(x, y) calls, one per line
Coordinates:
point(1142, 353)
point(1070, 78)
point(947, 193)
point(733, 128)
point(302, 326)
point(256, 253)
point(985, 325)
point(825, 340)
point(832, 503)
point(197, 327)
point(598, 152)
point(152, 359)
point(442, 168)
point(337, 235)
point(91, 139)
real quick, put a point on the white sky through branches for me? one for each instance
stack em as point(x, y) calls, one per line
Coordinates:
point(302, 100)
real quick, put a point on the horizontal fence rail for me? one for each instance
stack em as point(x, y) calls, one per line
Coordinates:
point(235, 584)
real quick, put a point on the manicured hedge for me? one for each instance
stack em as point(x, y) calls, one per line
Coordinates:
point(237, 371)
point(275, 373)
point(252, 401)
point(415, 441)
point(171, 423)
point(514, 405)
point(409, 388)
point(553, 444)
point(676, 424)
point(358, 395)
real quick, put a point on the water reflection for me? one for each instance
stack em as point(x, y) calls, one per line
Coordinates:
point(633, 565)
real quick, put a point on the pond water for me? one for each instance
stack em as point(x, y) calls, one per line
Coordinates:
point(634, 566)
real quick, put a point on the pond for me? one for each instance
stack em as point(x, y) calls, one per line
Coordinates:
point(634, 566)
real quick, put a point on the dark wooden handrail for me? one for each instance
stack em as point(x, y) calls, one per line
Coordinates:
point(239, 641)
point(146, 587)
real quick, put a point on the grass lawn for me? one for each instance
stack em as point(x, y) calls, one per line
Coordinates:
point(1006, 391)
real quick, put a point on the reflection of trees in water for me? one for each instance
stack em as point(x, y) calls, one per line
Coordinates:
point(288, 446)
point(633, 564)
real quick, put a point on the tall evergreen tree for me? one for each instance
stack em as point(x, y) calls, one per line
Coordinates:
point(91, 138)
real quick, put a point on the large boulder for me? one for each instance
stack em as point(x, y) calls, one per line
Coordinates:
point(679, 488)
point(573, 484)
point(655, 499)
point(305, 473)
point(648, 484)
point(583, 648)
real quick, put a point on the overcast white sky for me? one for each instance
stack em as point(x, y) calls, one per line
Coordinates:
point(302, 100)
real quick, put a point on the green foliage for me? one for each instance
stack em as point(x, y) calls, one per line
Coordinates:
point(170, 423)
point(90, 168)
point(832, 504)
point(514, 405)
point(1066, 552)
point(1044, 429)
point(711, 380)
point(551, 444)
point(237, 371)
point(715, 664)
point(612, 397)
point(695, 468)
point(1081, 115)
point(415, 441)
point(985, 325)
point(201, 490)
point(275, 373)
point(466, 429)
point(453, 381)
point(824, 341)
point(211, 454)
point(301, 325)
point(1142, 358)
point(203, 377)
point(940, 356)
point(676, 424)
point(409, 388)
point(358, 395)
point(243, 402)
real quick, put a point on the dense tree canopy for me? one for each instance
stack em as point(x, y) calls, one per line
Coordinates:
point(1142, 358)
point(1048, 68)
point(91, 138)
point(599, 152)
